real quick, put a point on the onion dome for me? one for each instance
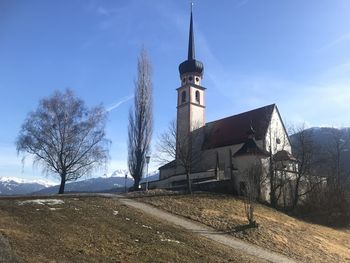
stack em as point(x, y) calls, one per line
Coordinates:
point(191, 65)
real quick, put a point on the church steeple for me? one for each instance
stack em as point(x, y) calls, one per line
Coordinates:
point(190, 95)
point(191, 52)
point(191, 65)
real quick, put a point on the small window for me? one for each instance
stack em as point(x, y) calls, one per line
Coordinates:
point(183, 96)
point(197, 79)
point(190, 78)
point(184, 79)
point(197, 96)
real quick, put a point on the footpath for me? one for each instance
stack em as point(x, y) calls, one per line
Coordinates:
point(205, 231)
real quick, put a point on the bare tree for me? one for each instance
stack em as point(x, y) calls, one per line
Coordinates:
point(65, 137)
point(335, 152)
point(166, 145)
point(330, 201)
point(140, 119)
point(304, 149)
point(183, 150)
point(251, 177)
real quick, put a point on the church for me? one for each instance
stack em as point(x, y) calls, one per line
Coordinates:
point(216, 155)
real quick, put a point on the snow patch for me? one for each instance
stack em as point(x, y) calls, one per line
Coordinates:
point(42, 202)
point(54, 209)
point(115, 213)
point(169, 240)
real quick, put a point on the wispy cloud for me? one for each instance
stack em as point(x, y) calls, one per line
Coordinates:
point(241, 3)
point(120, 102)
point(335, 42)
point(107, 11)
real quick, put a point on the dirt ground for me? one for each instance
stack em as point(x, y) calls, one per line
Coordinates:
point(277, 231)
point(96, 229)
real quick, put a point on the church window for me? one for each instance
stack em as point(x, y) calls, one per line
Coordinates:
point(190, 78)
point(197, 96)
point(183, 96)
point(184, 80)
point(197, 79)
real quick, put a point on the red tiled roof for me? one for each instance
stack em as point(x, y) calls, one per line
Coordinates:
point(233, 130)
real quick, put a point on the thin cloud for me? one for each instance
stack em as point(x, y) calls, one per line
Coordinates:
point(241, 3)
point(120, 102)
point(335, 42)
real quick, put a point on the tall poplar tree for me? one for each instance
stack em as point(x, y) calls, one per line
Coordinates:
point(140, 119)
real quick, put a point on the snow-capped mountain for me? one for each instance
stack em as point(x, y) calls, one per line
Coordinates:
point(17, 186)
point(99, 184)
point(114, 181)
point(116, 173)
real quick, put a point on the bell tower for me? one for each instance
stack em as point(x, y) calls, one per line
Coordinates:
point(190, 96)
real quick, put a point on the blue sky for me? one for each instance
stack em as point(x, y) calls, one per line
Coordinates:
point(295, 53)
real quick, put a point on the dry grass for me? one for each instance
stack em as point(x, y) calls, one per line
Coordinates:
point(93, 229)
point(277, 231)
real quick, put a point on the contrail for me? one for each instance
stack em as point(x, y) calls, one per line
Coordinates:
point(117, 104)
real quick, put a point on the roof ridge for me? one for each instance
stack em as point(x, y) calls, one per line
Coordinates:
point(245, 112)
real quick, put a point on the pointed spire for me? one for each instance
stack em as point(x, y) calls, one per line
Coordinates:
point(191, 53)
point(191, 65)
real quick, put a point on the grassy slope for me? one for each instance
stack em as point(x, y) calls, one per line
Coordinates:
point(86, 230)
point(277, 231)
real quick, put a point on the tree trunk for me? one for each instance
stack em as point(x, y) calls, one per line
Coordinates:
point(189, 186)
point(136, 184)
point(273, 198)
point(296, 194)
point(63, 183)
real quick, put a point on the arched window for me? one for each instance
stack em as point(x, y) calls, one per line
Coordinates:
point(183, 96)
point(197, 97)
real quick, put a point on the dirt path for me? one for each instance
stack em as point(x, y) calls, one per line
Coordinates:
point(205, 231)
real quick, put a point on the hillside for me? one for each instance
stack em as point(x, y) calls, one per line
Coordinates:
point(323, 140)
point(277, 231)
point(96, 229)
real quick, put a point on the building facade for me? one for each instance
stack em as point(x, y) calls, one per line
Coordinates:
point(221, 151)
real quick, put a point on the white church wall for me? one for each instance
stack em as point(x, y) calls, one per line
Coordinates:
point(276, 134)
point(243, 163)
point(208, 161)
point(197, 117)
point(201, 96)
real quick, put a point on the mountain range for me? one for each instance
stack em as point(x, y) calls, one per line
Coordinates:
point(15, 186)
point(106, 183)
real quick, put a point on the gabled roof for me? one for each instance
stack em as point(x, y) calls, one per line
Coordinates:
point(283, 155)
point(250, 148)
point(169, 165)
point(233, 130)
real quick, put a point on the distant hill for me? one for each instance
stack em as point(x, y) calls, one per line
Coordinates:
point(15, 186)
point(323, 140)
